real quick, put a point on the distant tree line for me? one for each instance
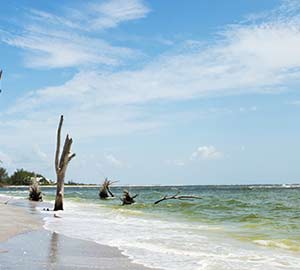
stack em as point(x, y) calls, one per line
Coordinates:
point(21, 177)
point(72, 183)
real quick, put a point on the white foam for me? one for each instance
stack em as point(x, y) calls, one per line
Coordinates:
point(271, 243)
point(165, 244)
point(5, 197)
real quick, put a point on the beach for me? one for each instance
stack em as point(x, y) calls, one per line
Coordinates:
point(24, 244)
point(140, 134)
point(15, 221)
point(230, 227)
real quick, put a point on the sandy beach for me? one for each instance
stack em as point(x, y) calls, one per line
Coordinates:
point(15, 220)
point(24, 244)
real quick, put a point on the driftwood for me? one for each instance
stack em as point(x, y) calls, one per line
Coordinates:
point(6, 202)
point(35, 193)
point(177, 197)
point(61, 165)
point(127, 198)
point(104, 191)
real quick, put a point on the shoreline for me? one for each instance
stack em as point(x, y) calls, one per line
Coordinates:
point(25, 244)
point(15, 220)
point(42, 249)
point(280, 185)
point(231, 229)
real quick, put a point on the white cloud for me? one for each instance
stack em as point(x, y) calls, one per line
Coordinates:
point(92, 15)
point(112, 160)
point(246, 58)
point(53, 41)
point(206, 153)
point(111, 13)
point(202, 153)
point(51, 49)
point(30, 157)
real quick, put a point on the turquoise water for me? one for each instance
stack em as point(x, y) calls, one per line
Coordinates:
point(228, 226)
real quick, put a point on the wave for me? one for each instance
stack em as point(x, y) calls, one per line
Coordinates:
point(164, 243)
point(274, 186)
point(282, 243)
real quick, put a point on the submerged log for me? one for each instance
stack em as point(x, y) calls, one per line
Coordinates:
point(127, 198)
point(35, 193)
point(61, 164)
point(104, 191)
point(177, 197)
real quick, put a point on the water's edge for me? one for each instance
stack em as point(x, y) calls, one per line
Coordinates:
point(240, 227)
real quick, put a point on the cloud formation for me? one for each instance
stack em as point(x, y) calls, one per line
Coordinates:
point(248, 57)
point(112, 13)
point(259, 55)
point(206, 153)
point(113, 161)
point(58, 41)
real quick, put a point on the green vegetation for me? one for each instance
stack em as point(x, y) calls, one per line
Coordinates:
point(3, 176)
point(21, 177)
point(72, 183)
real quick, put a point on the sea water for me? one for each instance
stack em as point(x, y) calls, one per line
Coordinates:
point(230, 227)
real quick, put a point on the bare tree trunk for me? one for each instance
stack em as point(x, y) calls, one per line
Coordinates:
point(61, 165)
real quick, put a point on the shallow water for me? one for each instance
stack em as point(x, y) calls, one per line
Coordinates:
point(231, 227)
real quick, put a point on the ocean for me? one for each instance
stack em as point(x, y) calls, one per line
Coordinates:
point(230, 227)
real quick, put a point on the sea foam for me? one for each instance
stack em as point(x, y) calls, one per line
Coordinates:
point(166, 244)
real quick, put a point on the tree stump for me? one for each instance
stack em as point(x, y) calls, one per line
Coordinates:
point(104, 191)
point(127, 198)
point(35, 193)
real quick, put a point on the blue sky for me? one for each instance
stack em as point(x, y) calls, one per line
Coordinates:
point(153, 92)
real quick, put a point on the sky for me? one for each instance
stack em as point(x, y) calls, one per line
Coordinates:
point(153, 92)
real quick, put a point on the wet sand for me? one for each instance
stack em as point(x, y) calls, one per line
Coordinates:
point(24, 244)
point(42, 249)
point(15, 220)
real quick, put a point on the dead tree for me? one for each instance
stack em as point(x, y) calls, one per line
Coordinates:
point(127, 198)
point(104, 191)
point(61, 164)
point(177, 197)
point(35, 193)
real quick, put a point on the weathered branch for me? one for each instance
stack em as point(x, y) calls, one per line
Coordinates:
point(58, 144)
point(110, 193)
point(177, 197)
point(64, 159)
point(6, 202)
point(72, 156)
point(127, 198)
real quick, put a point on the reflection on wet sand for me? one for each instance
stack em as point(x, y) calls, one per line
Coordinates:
point(53, 249)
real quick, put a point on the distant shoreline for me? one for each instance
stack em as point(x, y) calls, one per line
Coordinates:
point(161, 185)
